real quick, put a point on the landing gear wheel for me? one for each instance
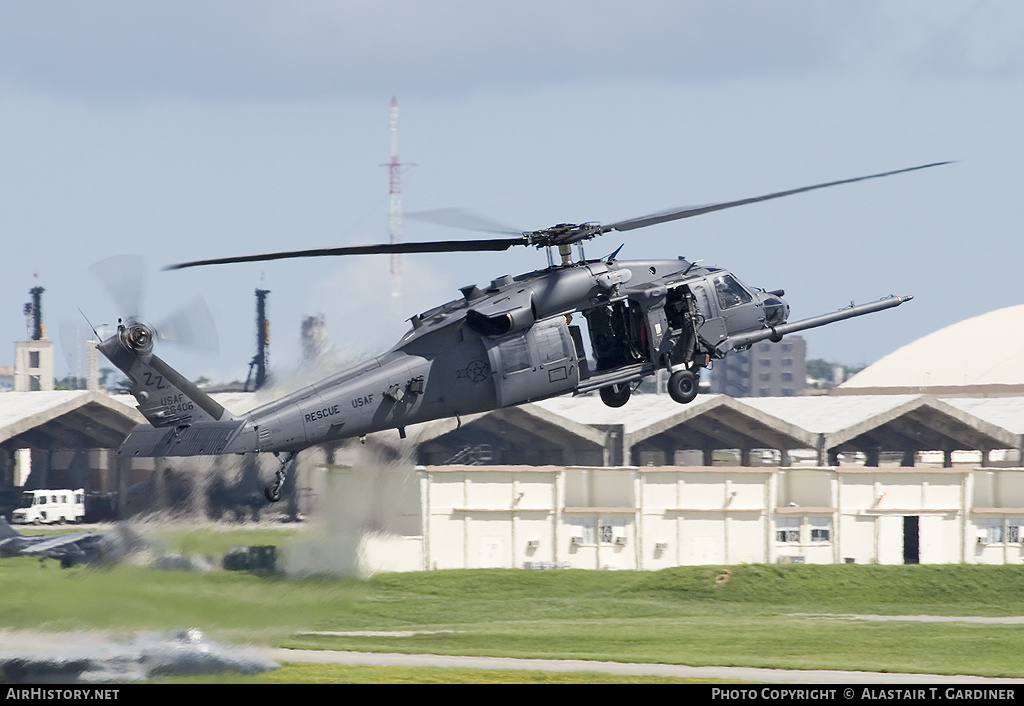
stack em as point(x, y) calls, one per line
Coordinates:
point(616, 395)
point(682, 386)
point(273, 491)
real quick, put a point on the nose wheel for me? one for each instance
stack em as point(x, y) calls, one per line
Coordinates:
point(273, 491)
point(682, 386)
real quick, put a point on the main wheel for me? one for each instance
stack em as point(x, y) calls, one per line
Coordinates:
point(682, 386)
point(615, 395)
point(272, 492)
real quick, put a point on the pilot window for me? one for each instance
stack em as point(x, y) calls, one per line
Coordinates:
point(730, 292)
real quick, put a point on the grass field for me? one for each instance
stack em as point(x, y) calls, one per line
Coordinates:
point(762, 616)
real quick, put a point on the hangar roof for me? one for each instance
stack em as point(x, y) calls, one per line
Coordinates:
point(829, 415)
point(886, 422)
point(534, 418)
point(984, 353)
point(905, 421)
point(713, 421)
point(64, 419)
point(72, 419)
point(1004, 412)
point(640, 412)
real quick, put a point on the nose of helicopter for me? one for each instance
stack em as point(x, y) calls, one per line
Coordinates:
point(776, 310)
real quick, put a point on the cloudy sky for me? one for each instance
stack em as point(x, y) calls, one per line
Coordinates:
point(197, 129)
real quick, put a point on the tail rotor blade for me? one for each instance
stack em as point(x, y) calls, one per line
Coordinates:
point(122, 277)
point(191, 326)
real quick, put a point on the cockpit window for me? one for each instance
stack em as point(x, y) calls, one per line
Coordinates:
point(730, 292)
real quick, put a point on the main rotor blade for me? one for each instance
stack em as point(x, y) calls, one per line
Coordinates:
point(556, 235)
point(461, 218)
point(494, 244)
point(689, 211)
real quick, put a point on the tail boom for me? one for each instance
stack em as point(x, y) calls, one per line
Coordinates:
point(183, 420)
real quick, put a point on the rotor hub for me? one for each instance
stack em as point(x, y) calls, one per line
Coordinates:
point(137, 337)
point(563, 234)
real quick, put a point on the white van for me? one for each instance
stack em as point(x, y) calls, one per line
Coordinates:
point(50, 507)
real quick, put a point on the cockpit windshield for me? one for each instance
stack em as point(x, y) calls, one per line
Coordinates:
point(730, 292)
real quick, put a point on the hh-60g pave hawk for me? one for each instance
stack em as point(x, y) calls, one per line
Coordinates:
point(504, 344)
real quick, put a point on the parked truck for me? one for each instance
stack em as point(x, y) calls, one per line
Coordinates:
point(50, 507)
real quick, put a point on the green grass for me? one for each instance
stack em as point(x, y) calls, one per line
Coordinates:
point(185, 538)
point(762, 616)
point(125, 598)
point(204, 541)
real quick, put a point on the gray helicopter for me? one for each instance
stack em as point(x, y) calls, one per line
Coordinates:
point(509, 342)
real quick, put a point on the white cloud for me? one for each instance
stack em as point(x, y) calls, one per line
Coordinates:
point(262, 49)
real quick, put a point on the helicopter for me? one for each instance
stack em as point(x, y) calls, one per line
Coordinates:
point(509, 342)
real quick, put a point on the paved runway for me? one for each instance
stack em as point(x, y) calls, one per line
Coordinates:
point(42, 642)
point(735, 674)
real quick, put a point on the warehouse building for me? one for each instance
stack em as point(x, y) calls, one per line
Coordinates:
point(647, 518)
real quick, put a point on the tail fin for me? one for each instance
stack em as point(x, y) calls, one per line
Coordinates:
point(6, 531)
point(185, 420)
point(165, 397)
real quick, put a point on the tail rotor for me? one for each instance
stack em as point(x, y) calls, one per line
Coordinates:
point(123, 278)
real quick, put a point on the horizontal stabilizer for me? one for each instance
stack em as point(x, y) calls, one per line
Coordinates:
point(198, 439)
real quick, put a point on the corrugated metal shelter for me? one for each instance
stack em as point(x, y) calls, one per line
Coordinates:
point(900, 424)
point(530, 435)
point(51, 422)
point(654, 430)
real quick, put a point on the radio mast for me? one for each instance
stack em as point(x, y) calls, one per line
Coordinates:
point(395, 207)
